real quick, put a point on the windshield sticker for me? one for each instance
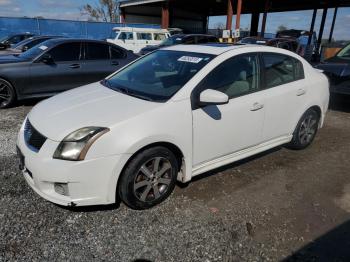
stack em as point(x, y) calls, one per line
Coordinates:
point(190, 59)
point(43, 47)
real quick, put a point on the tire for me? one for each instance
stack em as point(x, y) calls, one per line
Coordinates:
point(149, 178)
point(7, 94)
point(306, 130)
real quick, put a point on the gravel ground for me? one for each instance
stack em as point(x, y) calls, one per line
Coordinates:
point(280, 205)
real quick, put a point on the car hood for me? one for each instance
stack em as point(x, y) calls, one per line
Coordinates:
point(7, 59)
point(91, 105)
point(10, 52)
point(333, 65)
point(151, 47)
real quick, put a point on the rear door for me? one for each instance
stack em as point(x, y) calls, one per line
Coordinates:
point(65, 72)
point(285, 94)
point(101, 59)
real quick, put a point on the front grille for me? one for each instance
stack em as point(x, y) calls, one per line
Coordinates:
point(32, 137)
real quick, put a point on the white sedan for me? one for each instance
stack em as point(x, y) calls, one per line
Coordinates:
point(171, 115)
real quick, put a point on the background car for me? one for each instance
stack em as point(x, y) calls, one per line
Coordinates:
point(290, 44)
point(7, 41)
point(337, 69)
point(26, 44)
point(186, 39)
point(57, 65)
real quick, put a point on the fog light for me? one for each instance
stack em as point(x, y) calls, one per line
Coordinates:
point(61, 188)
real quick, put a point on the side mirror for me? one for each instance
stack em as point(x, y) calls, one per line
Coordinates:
point(213, 97)
point(47, 59)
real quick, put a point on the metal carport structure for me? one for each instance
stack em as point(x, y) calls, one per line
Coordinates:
point(192, 15)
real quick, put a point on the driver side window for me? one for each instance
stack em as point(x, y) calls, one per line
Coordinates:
point(235, 77)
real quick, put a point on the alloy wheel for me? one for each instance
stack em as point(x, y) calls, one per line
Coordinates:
point(5, 94)
point(153, 179)
point(308, 129)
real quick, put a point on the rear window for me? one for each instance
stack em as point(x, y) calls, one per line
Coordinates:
point(281, 69)
point(97, 51)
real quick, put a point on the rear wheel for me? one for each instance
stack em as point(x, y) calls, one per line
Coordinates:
point(306, 130)
point(149, 178)
point(7, 94)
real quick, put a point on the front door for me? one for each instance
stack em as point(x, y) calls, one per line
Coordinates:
point(224, 129)
point(65, 71)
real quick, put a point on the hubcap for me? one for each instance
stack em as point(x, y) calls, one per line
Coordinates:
point(153, 179)
point(308, 129)
point(5, 95)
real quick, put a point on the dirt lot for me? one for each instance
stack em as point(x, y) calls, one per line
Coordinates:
point(280, 205)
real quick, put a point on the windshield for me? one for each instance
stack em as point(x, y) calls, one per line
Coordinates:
point(36, 50)
point(173, 40)
point(158, 76)
point(20, 44)
point(345, 52)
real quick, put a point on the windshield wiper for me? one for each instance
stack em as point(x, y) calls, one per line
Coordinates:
point(124, 90)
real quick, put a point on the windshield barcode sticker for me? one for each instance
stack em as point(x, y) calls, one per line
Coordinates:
point(190, 59)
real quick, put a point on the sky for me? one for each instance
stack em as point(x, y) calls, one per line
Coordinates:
point(70, 9)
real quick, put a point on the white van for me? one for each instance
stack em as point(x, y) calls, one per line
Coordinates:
point(135, 39)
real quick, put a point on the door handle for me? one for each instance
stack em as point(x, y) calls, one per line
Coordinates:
point(257, 106)
point(301, 92)
point(115, 63)
point(74, 66)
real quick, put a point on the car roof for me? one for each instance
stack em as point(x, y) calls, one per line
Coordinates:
point(214, 49)
point(220, 48)
point(64, 40)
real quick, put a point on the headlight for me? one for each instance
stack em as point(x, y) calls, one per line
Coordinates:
point(75, 146)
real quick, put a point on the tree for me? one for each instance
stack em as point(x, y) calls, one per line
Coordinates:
point(281, 28)
point(104, 10)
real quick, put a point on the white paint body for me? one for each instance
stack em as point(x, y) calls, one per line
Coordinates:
point(136, 44)
point(206, 143)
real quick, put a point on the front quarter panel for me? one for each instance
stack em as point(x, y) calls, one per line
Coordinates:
point(170, 123)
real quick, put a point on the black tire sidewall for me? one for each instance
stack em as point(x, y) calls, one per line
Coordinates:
point(12, 94)
point(126, 185)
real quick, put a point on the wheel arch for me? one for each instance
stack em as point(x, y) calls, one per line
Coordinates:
point(180, 157)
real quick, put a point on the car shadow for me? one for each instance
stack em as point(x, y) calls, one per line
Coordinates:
point(340, 103)
point(29, 102)
point(332, 246)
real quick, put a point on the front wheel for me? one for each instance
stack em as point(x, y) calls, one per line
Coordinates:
point(7, 94)
point(149, 178)
point(306, 130)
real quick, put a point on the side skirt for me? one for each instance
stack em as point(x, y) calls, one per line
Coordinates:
point(227, 159)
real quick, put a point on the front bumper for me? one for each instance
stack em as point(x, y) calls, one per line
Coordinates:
point(90, 182)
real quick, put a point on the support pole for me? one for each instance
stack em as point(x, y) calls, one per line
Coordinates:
point(333, 24)
point(238, 16)
point(165, 15)
point(254, 24)
point(229, 15)
point(122, 16)
point(323, 21)
point(263, 25)
point(312, 27)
